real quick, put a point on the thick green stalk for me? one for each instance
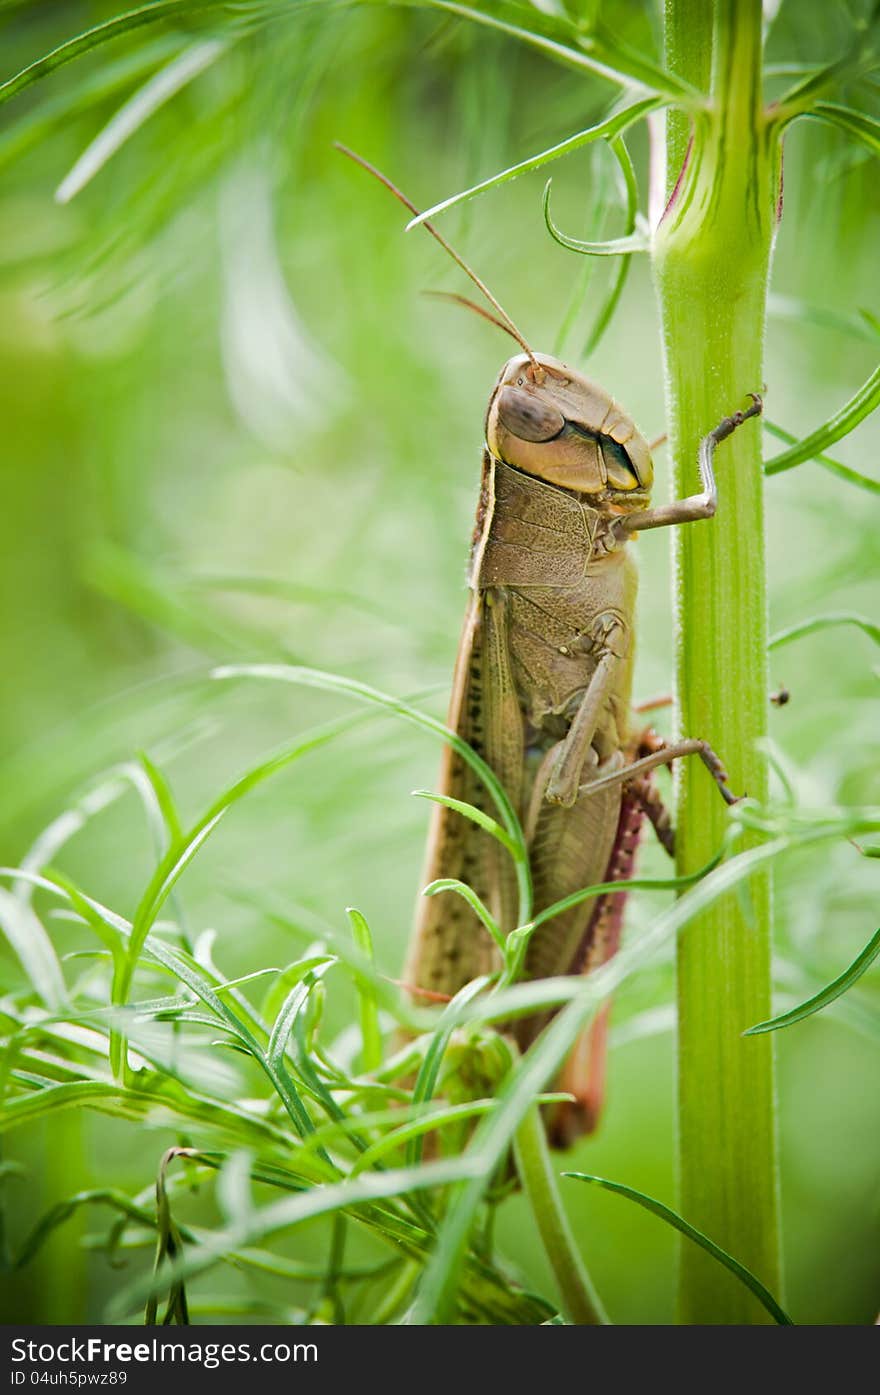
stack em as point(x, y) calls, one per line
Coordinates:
point(580, 1302)
point(711, 262)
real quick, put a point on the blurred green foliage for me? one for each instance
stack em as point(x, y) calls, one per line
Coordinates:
point(234, 430)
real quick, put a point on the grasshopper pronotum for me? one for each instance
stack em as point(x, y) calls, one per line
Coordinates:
point(543, 686)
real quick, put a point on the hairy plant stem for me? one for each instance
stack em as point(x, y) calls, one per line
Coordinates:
point(711, 263)
point(580, 1302)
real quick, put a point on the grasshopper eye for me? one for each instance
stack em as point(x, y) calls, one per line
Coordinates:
point(528, 417)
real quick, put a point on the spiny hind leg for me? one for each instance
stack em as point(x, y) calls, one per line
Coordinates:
point(648, 797)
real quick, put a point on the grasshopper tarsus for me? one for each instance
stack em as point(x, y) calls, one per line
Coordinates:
point(729, 424)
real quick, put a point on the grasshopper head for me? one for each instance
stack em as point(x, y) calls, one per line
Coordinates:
point(549, 421)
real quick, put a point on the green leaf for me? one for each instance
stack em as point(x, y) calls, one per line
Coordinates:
point(164, 798)
point(800, 312)
point(430, 1118)
point(846, 420)
point(827, 995)
point(35, 125)
point(621, 270)
point(824, 622)
point(855, 123)
point(144, 103)
point(281, 914)
point(34, 950)
point(371, 1033)
point(595, 50)
point(835, 467)
point(657, 1208)
point(100, 34)
point(292, 1006)
point(635, 884)
point(426, 1080)
point(290, 1023)
point(294, 1210)
point(477, 816)
point(613, 125)
point(181, 853)
point(468, 894)
point(350, 687)
point(616, 247)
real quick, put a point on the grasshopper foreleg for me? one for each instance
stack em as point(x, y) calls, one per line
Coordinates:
point(691, 746)
point(695, 506)
point(574, 749)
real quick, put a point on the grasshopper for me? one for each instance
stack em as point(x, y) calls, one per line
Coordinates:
point(543, 688)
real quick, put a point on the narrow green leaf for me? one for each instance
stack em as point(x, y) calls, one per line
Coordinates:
point(613, 125)
point(281, 914)
point(826, 995)
point(71, 1094)
point(801, 312)
point(595, 50)
point(287, 1023)
point(834, 467)
point(428, 1120)
point(164, 798)
point(857, 57)
point(621, 270)
point(477, 816)
point(181, 853)
point(293, 1210)
point(616, 247)
point(332, 682)
point(290, 1010)
point(855, 123)
point(841, 424)
point(426, 1080)
point(133, 114)
point(657, 1208)
point(635, 884)
point(100, 34)
point(468, 894)
point(63, 1210)
point(35, 125)
point(371, 1033)
point(824, 622)
point(33, 949)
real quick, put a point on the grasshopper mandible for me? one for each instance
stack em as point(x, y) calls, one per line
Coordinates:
point(543, 687)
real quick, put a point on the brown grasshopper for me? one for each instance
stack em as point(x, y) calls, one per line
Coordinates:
point(542, 689)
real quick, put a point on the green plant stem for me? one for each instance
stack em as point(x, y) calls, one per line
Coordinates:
point(580, 1302)
point(711, 264)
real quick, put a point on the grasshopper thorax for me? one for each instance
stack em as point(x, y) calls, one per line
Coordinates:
point(551, 422)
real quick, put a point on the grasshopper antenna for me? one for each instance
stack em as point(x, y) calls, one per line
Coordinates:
point(455, 299)
point(505, 322)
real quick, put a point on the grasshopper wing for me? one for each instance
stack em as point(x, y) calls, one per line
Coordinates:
point(450, 946)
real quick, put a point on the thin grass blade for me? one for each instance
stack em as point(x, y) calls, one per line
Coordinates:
point(826, 995)
point(613, 125)
point(824, 622)
point(657, 1208)
point(159, 89)
point(860, 406)
point(834, 467)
